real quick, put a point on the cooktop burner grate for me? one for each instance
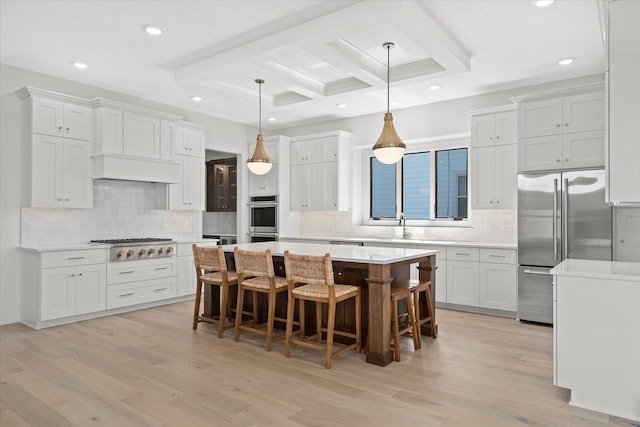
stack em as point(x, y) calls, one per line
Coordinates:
point(137, 240)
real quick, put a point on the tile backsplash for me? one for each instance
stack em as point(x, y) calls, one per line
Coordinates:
point(486, 226)
point(121, 209)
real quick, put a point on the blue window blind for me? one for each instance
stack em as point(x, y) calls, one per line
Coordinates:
point(416, 185)
point(451, 183)
point(383, 189)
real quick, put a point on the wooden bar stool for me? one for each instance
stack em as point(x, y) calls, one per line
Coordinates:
point(211, 269)
point(424, 289)
point(314, 275)
point(256, 274)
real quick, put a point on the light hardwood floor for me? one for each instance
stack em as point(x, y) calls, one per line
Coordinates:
point(148, 368)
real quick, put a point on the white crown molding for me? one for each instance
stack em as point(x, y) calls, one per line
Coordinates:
point(573, 90)
point(103, 102)
point(492, 110)
point(28, 91)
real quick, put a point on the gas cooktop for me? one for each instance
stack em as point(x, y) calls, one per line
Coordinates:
point(139, 248)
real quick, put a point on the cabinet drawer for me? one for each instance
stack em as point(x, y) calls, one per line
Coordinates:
point(133, 271)
point(499, 256)
point(69, 258)
point(140, 292)
point(463, 254)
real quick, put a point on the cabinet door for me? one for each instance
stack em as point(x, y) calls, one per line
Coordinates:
point(186, 276)
point(167, 140)
point(542, 153)
point(57, 293)
point(109, 130)
point(306, 187)
point(498, 286)
point(482, 130)
point(47, 117)
point(47, 172)
point(78, 122)
point(91, 289)
point(627, 243)
point(77, 181)
point(196, 143)
point(141, 135)
point(540, 118)
point(483, 181)
point(583, 113)
point(506, 128)
point(307, 151)
point(462, 283)
point(266, 184)
point(330, 149)
point(330, 186)
point(193, 183)
point(441, 280)
point(583, 149)
point(506, 176)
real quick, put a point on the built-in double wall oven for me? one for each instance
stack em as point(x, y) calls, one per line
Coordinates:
point(263, 217)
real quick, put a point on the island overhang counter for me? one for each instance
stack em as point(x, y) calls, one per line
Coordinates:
point(372, 268)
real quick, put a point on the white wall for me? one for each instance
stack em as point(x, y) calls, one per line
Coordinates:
point(222, 135)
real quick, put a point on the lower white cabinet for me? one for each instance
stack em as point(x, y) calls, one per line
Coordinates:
point(462, 282)
point(497, 286)
point(627, 241)
point(186, 267)
point(141, 281)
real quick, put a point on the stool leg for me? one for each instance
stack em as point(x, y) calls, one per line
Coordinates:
point(396, 329)
point(319, 321)
point(415, 334)
point(255, 308)
point(331, 320)
point(196, 309)
point(291, 304)
point(270, 317)
point(358, 315)
point(434, 332)
point(416, 309)
point(236, 335)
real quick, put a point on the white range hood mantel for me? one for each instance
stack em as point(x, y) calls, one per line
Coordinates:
point(117, 166)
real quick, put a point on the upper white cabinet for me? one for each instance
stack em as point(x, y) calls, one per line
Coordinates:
point(57, 118)
point(141, 135)
point(555, 116)
point(60, 149)
point(270, 183)
point(623, 90)
point(267, 184)
point(494, 177)
point(189, 140)
point(562, 132)
point(320, 172)
point(188, 194)
point(108, 130)
point(494, 129)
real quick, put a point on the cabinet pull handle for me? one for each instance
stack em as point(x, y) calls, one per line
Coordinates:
point(126, 272)
point(542, 273)
point(496, 256)
point(458, 253)
point(126, 295)
point(161, 289)
point(75, 257)
point(161, 268)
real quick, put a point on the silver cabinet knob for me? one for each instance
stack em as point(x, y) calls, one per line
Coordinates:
point(558, 160)
point(566, 124)
point(558, 125)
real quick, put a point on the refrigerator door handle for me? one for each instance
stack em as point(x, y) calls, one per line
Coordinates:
point(542, 273)
point(555, 219)
point(565, 219)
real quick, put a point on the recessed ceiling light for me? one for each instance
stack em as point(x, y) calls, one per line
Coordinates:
point(196, 98)
point(271, 119)
point(394, 102)
point(154, 31)
point(543, 3)
point(435, 87)
point(565, 61)
point(341, 105)
point(80, 65)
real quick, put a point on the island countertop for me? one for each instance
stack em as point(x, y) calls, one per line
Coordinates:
point(598, 269)
point(345, 253)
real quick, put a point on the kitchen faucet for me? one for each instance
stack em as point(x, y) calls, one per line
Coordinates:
point(403, 223)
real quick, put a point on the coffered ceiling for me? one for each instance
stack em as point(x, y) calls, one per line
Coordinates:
point(313, 55)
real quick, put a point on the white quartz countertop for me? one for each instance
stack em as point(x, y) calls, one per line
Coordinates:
point(371, 241)
point(65, 247)
point(346, 253)
point(201, 240)
point(600, 269)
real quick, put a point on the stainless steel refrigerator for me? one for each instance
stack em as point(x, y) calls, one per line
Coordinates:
point(560, 215)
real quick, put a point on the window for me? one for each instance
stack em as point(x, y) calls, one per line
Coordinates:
point(411, 183)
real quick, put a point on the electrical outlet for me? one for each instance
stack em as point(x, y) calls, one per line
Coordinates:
point(72, 228)
point(164, 227)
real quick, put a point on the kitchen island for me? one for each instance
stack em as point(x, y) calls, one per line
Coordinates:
point(371, 268)
point(597, 335)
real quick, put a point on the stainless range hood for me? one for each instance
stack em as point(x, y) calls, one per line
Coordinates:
point(129, 168)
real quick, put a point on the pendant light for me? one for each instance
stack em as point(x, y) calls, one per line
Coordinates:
point(259, 163)
point(389, 148)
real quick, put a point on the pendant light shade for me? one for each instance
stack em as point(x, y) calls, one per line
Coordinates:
point(259, 163)
point(389, 148)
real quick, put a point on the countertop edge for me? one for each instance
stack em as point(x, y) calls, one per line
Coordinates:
point(628, 271)
point(403, 242)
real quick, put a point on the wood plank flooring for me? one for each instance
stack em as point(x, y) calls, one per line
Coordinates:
point(148, 368)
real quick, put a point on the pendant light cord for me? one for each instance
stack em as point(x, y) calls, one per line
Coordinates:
point(260, 106)
point(388, 53)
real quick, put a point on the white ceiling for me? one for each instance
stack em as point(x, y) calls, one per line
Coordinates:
point(313, 55)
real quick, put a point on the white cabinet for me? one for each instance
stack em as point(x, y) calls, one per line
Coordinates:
point(462, 283)
point(627, 235)
point(57, 118)
point(61, 172)
point(493, 129)
point(108, 130)
point(575, 113)
point(141, 135)
point(168, 140)
point(320, 172)
point(498, 286)
point(623, 95)
point(186, 276)
point(63, 284)
point(573, 150)
point(266, 184)
point(188, 194)
point(189, 141)
point(494, 177)
point(306, 183)
point(141, 281)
